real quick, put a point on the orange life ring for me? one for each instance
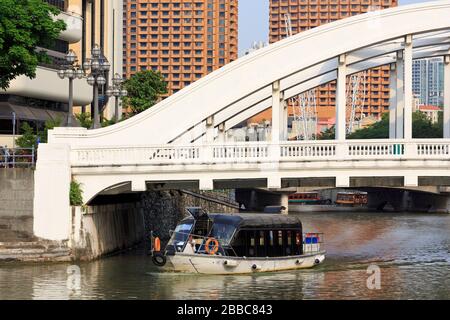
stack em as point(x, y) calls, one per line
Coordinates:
point(214, 249)
point(157, 245)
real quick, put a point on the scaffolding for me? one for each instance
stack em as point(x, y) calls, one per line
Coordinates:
point(356, 96)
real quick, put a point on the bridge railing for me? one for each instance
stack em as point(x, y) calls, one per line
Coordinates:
point(263, 152)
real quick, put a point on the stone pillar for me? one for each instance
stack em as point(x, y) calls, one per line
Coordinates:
point(51, 207)
point(341, 100)
point(277, 111)
point(447, 96)
point(392, 101)
point(408, 61)
point(399, 133)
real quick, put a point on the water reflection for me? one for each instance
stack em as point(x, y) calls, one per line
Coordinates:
point(412, 251)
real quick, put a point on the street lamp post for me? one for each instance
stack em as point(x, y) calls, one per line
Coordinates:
point(117, 91)
point(71, 70)
point(98, 66)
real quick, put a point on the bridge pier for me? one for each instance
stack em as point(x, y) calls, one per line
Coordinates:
point(52, 178)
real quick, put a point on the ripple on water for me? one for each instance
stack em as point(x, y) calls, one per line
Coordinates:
point(412, 251)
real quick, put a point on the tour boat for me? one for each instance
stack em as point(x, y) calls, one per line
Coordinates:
point(357, 198)
point(238, 244)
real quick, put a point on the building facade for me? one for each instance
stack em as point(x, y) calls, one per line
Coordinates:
point(307, 14)
point(46, 97)
point(428, 81)
point(183, 39)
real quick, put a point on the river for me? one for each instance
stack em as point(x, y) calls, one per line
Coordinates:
point(411, 250)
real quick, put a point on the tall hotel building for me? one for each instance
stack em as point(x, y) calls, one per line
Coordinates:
point(183, 39)
point(308, 14)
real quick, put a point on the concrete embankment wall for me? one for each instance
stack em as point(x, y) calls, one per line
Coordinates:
point(16, 203)
point(104, 229)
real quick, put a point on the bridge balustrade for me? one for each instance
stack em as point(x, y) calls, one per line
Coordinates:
point(262, 152)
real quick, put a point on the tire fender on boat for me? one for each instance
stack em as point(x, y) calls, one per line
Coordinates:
point(159, 259)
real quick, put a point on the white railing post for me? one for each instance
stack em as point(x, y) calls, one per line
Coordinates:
point(206, 153)
point(447, 96)
point(392, 101)
point(277, 111)
point(341, 99)
point(408, 61)
point(411, 149)
point(399, 130)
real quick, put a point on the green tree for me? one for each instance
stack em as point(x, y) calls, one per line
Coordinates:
point(144, 89)
point(84, 119)
point(328, 134)
point(49, 124)
point(28, 139)
point(24, 26)
point(378, 130)
point(422, 128)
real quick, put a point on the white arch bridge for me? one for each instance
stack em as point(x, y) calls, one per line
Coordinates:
point(182, 140)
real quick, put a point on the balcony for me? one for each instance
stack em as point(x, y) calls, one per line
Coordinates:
point(74, 29)
point(48, 86)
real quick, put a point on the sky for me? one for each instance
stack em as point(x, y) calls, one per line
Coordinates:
point(254, 21)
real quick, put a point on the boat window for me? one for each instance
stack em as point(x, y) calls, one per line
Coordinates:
point(180, 236)
point(222, 232)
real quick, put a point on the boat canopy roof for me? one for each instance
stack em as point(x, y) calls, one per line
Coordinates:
point(255, 220)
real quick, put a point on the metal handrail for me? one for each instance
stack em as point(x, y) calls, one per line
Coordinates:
point(17, 157)
point(317, 235)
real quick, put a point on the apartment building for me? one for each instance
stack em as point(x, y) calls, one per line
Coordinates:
point(308, 14)
point(428, 81)
point(183, 39)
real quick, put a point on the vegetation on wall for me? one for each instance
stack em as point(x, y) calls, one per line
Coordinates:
point(76, 194)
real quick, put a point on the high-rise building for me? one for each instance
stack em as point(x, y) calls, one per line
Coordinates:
point(428, 81)
point(307, 14)
point(183, 39)
point(46, 97)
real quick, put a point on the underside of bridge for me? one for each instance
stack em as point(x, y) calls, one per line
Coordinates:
point(183, 138)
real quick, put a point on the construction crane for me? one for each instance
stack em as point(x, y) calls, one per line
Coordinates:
point(356, 96)
point(288, 24)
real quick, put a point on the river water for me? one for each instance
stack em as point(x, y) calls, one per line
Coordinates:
point(411, 250)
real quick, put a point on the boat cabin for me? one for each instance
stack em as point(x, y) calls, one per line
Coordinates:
point(239, 235)
point(304, 198)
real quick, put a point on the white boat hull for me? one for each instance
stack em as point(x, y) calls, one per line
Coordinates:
point(207, 264)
